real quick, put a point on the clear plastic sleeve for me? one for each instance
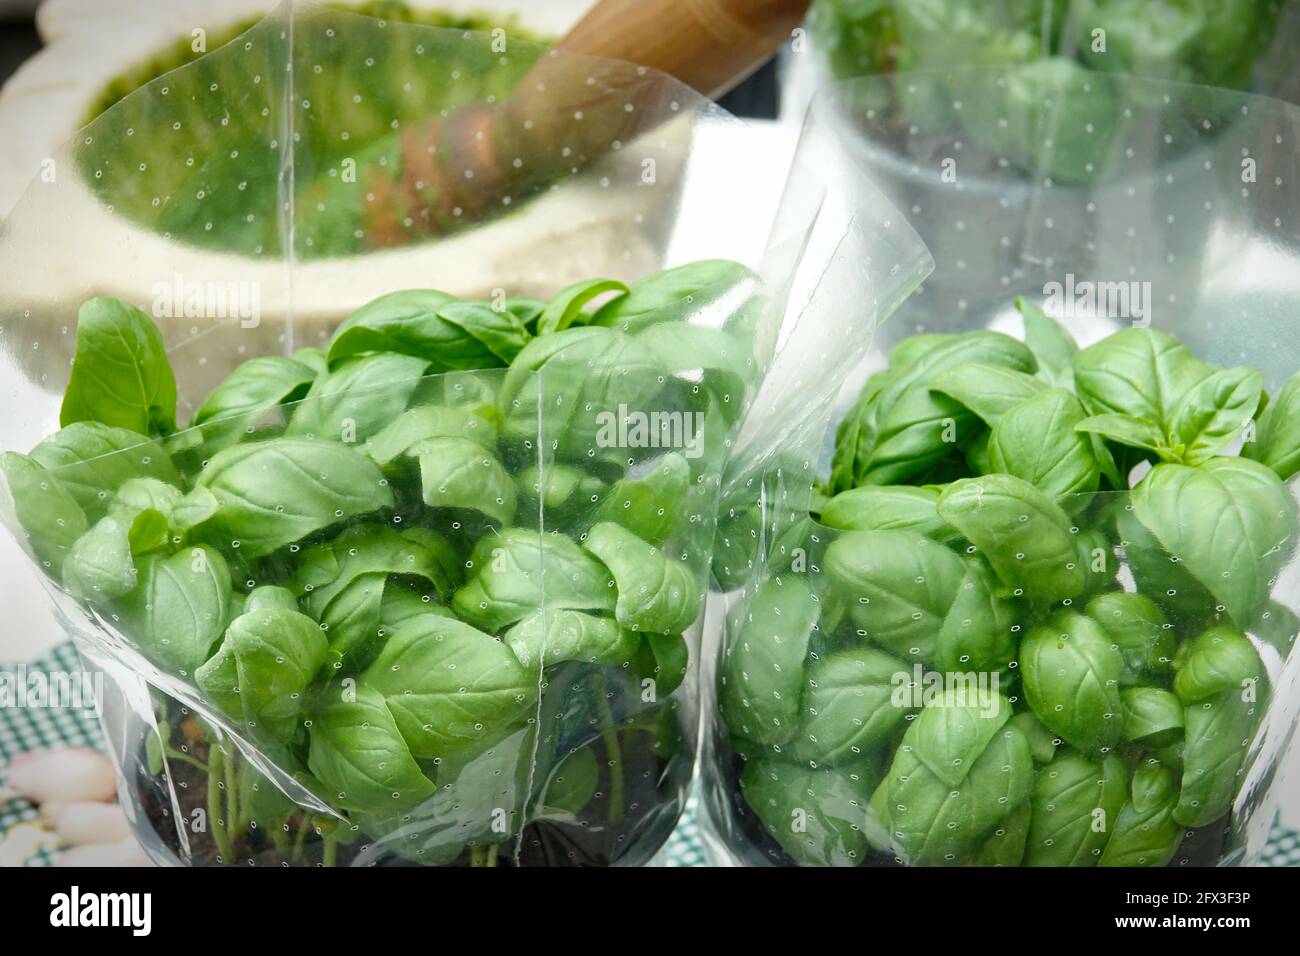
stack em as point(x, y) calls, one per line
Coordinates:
point(947, 655)
point(383, 575)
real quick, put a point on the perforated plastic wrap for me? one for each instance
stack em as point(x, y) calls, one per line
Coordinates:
point(376, 462)
point(1032, 599)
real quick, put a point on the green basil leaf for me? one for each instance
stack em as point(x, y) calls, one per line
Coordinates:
point(674, 294)
point(1216, 412)
point(1006, 845)
point(431, 326)
point(553, 636)
point(505, 583)
point(655, 593)
point(1043, 744)
point(1127, 430)
point(1071, 675)
point(934, 823)
point(981, 631)
point(1139, 630)
point(660, 666)
point(325, 570)
point(234, 407)
point(424, 422)
point(1151, 716)
point(562, 490)
point(1139, 372)
point(1036, 441)
point(100, 565)
point(898, 587)
point(1276, 442)
point(989, 391)
point(449, 687)
point(1076, 804)
point(262, 670)
point(270, 598)
point(48, 515)
point(1051, 344)
point(1229, 522)
point(570, 787)
point(1146, 833)
point(92, 461)
point(273, 493)
point(950, 735)
point(888, 508)
point(653, 505)
point(360, 758)
point(179, 609)
point(762, 681)
point(358, 398)
point(460, 473)
point(1024, 535)
point(1217, 660)
point(818, 816)
point(854, 701)
point(564, 309)
point(120, 374)
point(1217, 733)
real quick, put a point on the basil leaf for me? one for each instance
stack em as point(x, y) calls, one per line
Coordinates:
point(234, 407)
point(1218, 660)
point(898, 586)
point(1138, 629)
point(1127, 430)
point(1229, 522)
point(1006, 845)
point(1151, 716)
point(674, 294)
point(49, 516)
point(1145, 832)
point(935, 823)
point(655, 593)
point(551, 637)
point(1217, 733)
point(93, 460)
point(357, 399)
point(1036, 440)
point(1071, 675)
point(425, 422)
point(564, 309)
point(1023, 534)
point(1051, 344)
point(101, 565)
point(850, 706)
point(565, 492)
point(449, 687)
point(762, 679)
point(120, 374)
point(261, 672)
point(910, 428)
point(1043, 744)
point(888, 508)
point(505, 583)
point(270, 598)
point(653, 505)
point(1139, 372)
point(818, 816)
point(178, 611)
point(660, 665)
point(431, 326)
point(1277, 440)
point(460, 473)
point(273, 493)
point(360, 758)
point(1075, 805)
point(989, 390)
point(981, 631)
point(570, 787)
point(1216, 412)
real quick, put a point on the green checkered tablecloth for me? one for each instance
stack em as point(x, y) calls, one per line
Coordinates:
point(23, 729)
